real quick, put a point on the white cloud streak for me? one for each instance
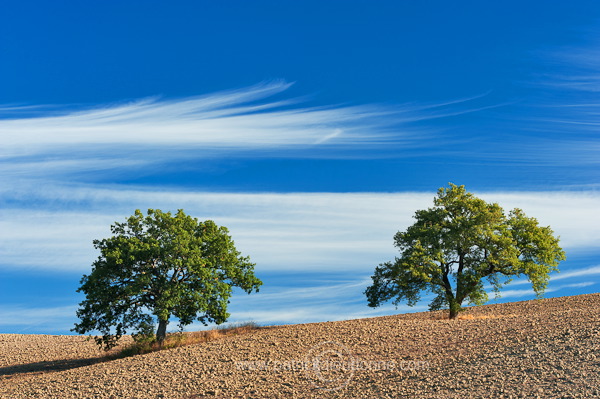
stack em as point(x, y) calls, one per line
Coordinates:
point(295, 231)
point(328, 302)
point(562, 275)
point(586, 272)
point(152, 131)
point(576, 68)
point(530, 293)
point(50, 319)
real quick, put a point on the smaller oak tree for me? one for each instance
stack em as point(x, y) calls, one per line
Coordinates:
point(158, 266)
point(462, 240)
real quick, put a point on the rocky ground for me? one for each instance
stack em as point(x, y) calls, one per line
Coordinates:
point(535, 349)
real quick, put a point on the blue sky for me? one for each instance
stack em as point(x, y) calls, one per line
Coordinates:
point(312, 130)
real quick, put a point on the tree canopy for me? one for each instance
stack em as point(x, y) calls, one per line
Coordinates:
point(160, 266)
point(455, 246)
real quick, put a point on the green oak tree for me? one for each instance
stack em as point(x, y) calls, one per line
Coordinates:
point(455, 246)
point(160, 266)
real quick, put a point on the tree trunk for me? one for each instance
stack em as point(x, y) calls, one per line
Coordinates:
point(452, 300)
point(161, 333)
point(455, 308)
point(453, 313)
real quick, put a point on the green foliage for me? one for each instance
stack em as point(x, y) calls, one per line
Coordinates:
point(158, 266)
point(454, 246)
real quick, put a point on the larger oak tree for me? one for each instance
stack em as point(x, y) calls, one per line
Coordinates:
point(160, 266)
point(454, 247)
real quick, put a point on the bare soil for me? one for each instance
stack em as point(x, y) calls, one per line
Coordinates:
point(534, 349)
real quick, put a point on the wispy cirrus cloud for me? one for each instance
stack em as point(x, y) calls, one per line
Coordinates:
point(52, 227)
point(553, 123)
point(47, 141)
point(591, 272)
point(529, 292)
point(22, 319)
point(585, 272)
point(564, 108)
point(61, 143)
point(573, 68)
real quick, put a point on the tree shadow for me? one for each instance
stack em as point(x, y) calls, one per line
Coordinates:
point(49, 366)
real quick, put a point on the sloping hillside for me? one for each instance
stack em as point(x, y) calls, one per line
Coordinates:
point(546, 348)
